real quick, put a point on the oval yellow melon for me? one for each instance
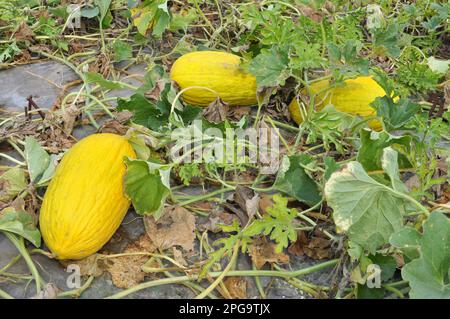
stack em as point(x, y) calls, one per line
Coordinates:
point(354, 98)
point(220, 73)
point(85, 203)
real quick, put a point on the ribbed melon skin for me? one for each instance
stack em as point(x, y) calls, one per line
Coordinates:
point(218, 71)
point(353, 98)
point(85, 203)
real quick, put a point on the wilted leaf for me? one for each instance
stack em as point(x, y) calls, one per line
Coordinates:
point(237, 287)
point(126, 271)
point(50, 291)
point(216, 112)
point(263, 252)
point(315, 247)
point(89, 266)
point(175, 228)
point(12, 183)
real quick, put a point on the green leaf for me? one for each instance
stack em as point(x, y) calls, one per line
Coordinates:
point(181, 21)
point(90, 13)
point(387, 264)
point(395, 114)
point(270, 68)
point(368, 211)
point(372, 146)
point(428, 275)
point(103, 6)
point(122, 51)
point(407, 240)
point(20, 223)
point(438, 66)
point(147, 185)
point(144, 112)
point(346, 58)
point(364, 292)
point(386, 41)
point(162, 19)
point(293, 180)
point(330, 167)
point(152, 14)
point(94, 77)
point(278, 222)
point(40, 165)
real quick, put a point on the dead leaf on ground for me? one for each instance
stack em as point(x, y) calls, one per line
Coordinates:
point(126, 271)
point(217, 111)
point(175, 228)
point(314, 247)
point(239, 112)
point(265, 202)
point(89, 266)
point(50, 291)
point(215, 218)
point(263, 251)
point(24, 33)
point(178, 256)
point(237, 287)
point(248, 201)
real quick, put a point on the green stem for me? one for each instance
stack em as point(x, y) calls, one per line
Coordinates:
point(223, 274)
point(203, 197)
point(77, 292)
point(20, 245)
point(235, 273)
point(5, 295)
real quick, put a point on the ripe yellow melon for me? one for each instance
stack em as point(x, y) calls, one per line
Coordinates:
point(219, 74)
point(354, 98)
point(85, 202)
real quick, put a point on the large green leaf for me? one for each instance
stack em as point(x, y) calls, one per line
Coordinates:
point(372, 146)
point(368, 211)
point(20, 223)
point(41, 166)
point(270, 68)
point(147, 185)
point(395, 114)
point(428, 275)
point(293, 180)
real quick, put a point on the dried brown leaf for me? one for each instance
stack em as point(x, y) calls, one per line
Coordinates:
point(315, 247)
point(24, 33)
point(217, 111)
point(237, 287)
point(175, 228)
point(126, 271)
point(50, 291)
point(263, 251)
point(214, 219)
point(89, 266)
